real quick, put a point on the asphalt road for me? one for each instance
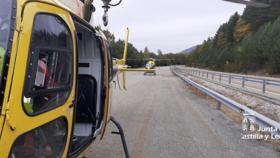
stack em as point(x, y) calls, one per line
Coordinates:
point(162, 118)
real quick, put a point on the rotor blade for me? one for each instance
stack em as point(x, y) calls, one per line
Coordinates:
point(250, 3)
point(147, 59)
point(126, 46)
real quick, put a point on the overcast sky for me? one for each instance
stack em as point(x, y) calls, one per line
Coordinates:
point(169, 25)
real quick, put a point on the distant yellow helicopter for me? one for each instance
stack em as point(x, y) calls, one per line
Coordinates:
point(150, 67)
point(151, 64)
point(56, 78)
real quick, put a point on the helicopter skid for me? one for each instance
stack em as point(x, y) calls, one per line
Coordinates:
point(121, 133)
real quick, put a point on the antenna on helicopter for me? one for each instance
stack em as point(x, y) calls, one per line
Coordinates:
point(106, 6)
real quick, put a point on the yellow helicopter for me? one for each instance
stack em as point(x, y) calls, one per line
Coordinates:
point(151, 64)
point(56, 78)
point(150, 67)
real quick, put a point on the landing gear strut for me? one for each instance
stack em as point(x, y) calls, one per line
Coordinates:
point(121, 133)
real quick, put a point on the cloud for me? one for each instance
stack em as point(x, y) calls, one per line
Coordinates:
point(168, 25)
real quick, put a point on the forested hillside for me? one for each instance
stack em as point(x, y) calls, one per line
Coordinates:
point(248, 42)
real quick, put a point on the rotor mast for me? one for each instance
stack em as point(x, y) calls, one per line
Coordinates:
point(89, 8)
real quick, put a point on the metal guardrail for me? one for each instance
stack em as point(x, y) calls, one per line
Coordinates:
point(272, 98)
point(229, 77)
point(251, 115)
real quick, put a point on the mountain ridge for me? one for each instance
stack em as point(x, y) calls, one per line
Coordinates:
point(188, 50)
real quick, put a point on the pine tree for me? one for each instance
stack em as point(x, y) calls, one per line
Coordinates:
point(242, 29)
point(146, 53)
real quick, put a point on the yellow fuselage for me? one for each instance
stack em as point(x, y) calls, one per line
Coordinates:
point(16, 109)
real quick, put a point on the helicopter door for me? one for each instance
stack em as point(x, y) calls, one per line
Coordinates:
point(39, 121)
point(89, 81)
point(107, 86)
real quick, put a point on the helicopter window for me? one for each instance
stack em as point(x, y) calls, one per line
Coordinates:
point(50, 68)
point(110, 62)
point(5, 23)
point(46, 141)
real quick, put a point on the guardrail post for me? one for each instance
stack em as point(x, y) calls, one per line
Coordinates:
point(220, 78)
point(229, 79)
point(219, 105)
point(264, 86)
point(207, 75)
point(212, 76)
point(243, 82)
